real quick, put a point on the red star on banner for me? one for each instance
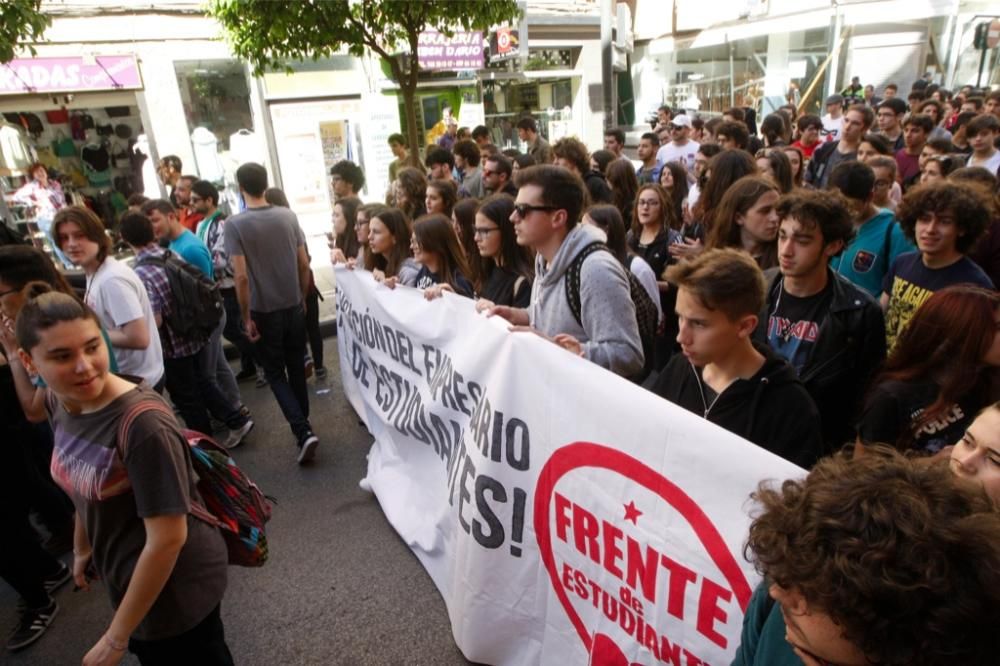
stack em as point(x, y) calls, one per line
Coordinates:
point(632, 513)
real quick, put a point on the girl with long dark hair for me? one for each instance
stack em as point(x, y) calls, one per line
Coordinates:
point(164, 570)
point(774, 164)
point(746, 220)
point(463, 218)
point(440, 197)
point(389, 242)
point(673, 178)
point(624, 186)
point(722, 171)
point(938, 376)
point(410, 188)
point(442, 260)
point(506, 268)
point(345, 237)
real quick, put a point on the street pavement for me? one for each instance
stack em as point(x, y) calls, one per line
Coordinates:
point(340, 586)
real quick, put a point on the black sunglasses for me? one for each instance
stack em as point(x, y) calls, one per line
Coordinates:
point(523, 209)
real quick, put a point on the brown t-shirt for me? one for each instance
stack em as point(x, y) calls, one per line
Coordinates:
point(113, 494)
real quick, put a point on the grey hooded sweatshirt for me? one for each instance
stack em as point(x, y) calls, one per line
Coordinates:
point(610, 334)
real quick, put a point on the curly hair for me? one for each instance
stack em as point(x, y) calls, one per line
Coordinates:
point(968, 207)
point(573, 151)
point(826, 210)
point(350, 172)
point(903, 556)
point(413, 187)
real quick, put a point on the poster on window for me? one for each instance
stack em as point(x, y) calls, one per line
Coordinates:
point(333, 140)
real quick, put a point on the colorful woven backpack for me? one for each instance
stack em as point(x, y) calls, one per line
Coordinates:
point(232, 502)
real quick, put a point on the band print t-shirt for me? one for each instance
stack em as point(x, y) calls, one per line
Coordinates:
point(909, 283)
point(794, 323)
point(892, 416)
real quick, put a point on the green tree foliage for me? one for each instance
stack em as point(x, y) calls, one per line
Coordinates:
point(270, 34)
point(21, 22)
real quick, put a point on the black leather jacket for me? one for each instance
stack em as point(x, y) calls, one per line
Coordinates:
point(849, 351)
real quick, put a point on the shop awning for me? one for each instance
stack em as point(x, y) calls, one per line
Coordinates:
point(70, 74)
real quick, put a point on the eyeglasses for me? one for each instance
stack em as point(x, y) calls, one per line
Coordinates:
point(484, 231)
point(523, 209)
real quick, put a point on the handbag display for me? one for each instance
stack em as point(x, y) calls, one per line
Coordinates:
point(57, 117)
point(63, 146)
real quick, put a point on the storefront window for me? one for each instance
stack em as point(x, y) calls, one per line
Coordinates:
point(216, 96)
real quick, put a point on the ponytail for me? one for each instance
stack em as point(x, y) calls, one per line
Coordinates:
point(44, 308)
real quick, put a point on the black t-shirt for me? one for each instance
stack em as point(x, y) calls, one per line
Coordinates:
point(504, 287)
point(909, 283)
point(425, 278)
point(793, 324)
point(895, 407)
point(655, 253)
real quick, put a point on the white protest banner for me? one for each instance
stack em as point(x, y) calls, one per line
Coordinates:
point(566, 515)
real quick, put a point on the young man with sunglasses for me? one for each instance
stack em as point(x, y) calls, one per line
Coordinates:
point(547, 219)
point(681, 148)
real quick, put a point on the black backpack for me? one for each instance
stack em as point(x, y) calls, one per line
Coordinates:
point(197, 303)
point(646, 315)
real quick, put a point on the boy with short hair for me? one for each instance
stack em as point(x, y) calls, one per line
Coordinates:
point(981, 133)
point(945, 220)
point(721, 374)
point(878, 239)
point(649, 170)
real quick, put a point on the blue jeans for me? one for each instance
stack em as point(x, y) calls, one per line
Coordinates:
point(280, 351)
point(217, 367)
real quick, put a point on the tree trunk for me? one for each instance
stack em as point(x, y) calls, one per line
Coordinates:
point(410, 108)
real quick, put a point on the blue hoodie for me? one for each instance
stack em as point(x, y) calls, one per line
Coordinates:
point(866, 260)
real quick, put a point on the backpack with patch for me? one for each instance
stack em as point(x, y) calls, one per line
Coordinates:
point(231, 501)
point(197, 303)
point(646, 315)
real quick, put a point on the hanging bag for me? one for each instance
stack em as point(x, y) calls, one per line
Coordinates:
point(57, 117)
point(229, 500)
point(63, 146)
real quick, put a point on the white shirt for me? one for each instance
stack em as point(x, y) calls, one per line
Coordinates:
point(643, 272)
point(992, 164)
point(831, 128)
point(682, 154)
point(694, 193)
point(118, 297)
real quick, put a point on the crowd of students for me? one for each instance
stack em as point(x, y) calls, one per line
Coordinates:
point(805, 289)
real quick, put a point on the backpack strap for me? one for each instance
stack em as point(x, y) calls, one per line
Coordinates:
point(572, 279)
point(129, 417)
point(125, 424)
point(887, 245)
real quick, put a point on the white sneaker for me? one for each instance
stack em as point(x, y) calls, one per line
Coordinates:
point(236, 436)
